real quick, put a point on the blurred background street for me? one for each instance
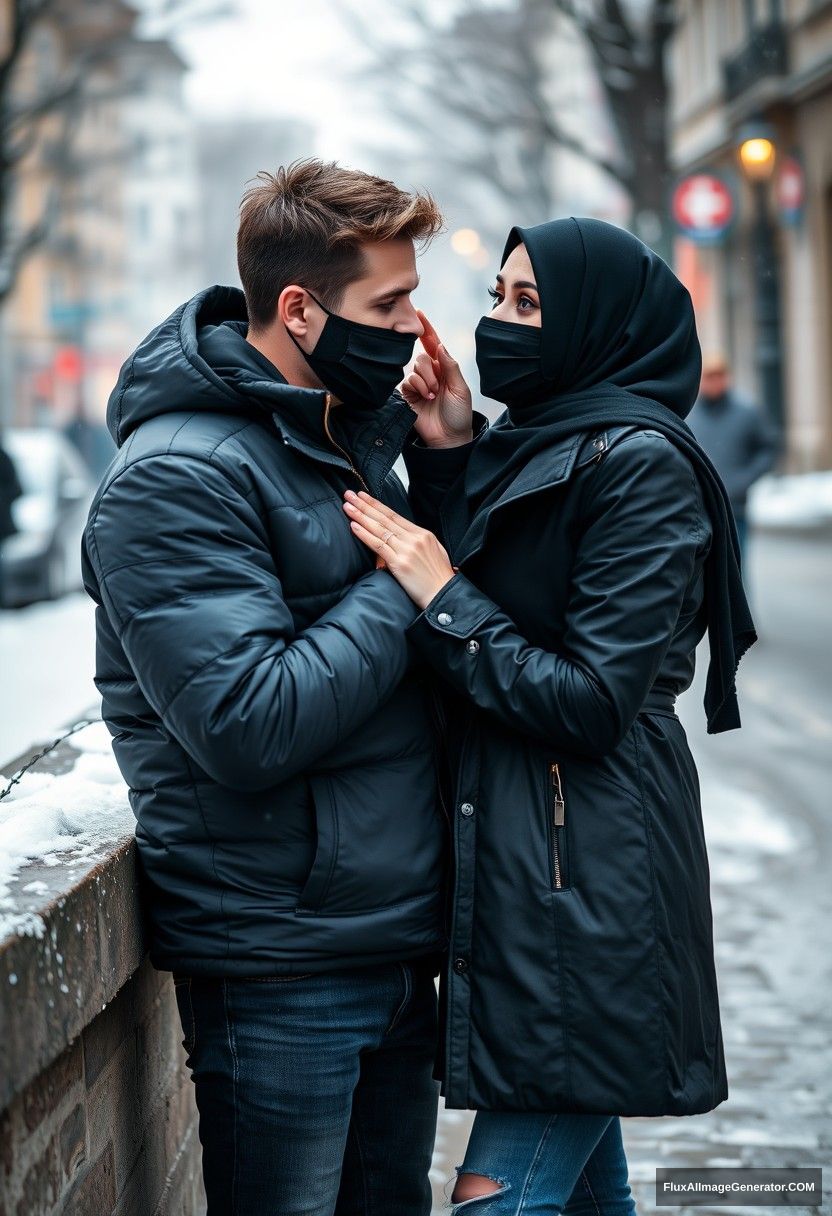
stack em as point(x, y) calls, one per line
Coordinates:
point(128, 133)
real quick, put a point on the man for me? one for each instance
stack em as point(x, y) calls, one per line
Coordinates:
point(265, 711)
point(735, 436)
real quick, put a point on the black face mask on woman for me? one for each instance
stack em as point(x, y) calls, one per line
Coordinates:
point(508, 358)
point(360, 364)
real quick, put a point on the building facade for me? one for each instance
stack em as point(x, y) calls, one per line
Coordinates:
point(111, 174)
point(761, 70)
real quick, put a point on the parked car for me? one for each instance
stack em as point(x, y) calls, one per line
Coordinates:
point(42, 560)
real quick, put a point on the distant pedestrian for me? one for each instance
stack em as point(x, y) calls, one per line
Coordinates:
point(10, 490)
point(735, 435)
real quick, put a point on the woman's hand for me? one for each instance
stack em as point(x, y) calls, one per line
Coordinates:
point(437, 392)
point(412, 555)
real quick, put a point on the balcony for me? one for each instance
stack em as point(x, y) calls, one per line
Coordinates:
point(765, 55)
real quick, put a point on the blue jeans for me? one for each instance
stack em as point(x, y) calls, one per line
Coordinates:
point(315, 1093)
point(548, 1163)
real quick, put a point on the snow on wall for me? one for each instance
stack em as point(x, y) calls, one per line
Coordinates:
point(60, 820)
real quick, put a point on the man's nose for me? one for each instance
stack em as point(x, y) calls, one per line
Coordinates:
point(412, 324)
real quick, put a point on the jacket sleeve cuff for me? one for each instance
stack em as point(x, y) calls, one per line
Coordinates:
point(420, 460)
point(457, 611)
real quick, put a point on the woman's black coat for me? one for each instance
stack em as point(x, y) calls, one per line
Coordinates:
point(581, 972)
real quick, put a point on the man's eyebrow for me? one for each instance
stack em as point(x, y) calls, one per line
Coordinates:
point(519, 283)
point(394, 292)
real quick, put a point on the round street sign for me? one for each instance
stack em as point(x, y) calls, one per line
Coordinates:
point(703, 207)
point(790, 190)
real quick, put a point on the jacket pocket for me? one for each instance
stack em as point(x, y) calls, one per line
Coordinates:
point(316, 887)
point(556, 817)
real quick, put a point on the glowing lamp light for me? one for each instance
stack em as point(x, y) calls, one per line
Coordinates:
point(465, 242)
point(757, 157)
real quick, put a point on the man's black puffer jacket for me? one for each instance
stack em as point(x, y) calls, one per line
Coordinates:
point(266, 712)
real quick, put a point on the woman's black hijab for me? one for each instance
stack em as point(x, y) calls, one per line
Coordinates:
point(618, 347)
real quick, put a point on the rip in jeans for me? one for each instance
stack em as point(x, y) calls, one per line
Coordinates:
point(459, 1205)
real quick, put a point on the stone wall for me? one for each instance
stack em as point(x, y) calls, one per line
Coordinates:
point(97, 1114)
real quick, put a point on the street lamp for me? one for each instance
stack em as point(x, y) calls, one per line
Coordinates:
point(757, 155)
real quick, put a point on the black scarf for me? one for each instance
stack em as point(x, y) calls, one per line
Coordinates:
point(619, 347)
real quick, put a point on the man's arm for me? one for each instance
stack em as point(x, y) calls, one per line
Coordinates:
point(761, 447)
point(185, 574)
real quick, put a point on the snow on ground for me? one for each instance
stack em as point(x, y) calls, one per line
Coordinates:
point(60, 820)
point(47, 657)
point(799, 500)
point(741, 832)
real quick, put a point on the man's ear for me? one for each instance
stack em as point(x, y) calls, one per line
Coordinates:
point(292, 304)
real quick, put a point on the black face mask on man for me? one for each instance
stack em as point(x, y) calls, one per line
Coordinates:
point(508, 358)
point(360, 364)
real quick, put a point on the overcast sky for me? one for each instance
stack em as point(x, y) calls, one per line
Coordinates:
point(290, 58)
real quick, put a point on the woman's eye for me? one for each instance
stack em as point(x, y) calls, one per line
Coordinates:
point(495, 297)
point(387, 307)
point(525, 304)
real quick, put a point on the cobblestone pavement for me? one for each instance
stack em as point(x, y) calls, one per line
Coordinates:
point(767, 801)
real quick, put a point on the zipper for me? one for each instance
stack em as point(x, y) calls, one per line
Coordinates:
point(344, 453)
point(559, 809)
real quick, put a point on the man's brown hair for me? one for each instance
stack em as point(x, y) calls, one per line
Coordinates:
point(305, 224)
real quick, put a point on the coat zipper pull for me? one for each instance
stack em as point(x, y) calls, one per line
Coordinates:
point(560, 805)
point(353, 469)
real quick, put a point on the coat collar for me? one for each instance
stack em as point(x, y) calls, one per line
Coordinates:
point(374, 445)
point(547, 468)
point(372, 439)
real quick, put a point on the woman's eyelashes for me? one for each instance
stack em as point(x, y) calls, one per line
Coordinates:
point(524, 304)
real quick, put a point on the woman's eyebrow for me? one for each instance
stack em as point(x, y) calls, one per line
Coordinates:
point(519, 283)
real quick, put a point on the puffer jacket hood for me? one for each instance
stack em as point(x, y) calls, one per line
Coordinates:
point(198, 359)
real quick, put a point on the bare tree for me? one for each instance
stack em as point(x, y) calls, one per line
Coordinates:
point(38, 119)
point(629, 48)
point(469, 97)
point(478, 95)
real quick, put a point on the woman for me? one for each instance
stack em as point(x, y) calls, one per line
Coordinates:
point(592, 546)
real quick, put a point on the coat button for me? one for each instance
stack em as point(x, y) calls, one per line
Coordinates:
point(467, 808)
point(445, 618)
point(379, 442)
point(472, 646)
point(460, 966)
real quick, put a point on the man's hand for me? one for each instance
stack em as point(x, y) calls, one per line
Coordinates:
point(437, 392)
point(412, 555)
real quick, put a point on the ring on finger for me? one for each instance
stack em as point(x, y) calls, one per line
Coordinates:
point(386, 536)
